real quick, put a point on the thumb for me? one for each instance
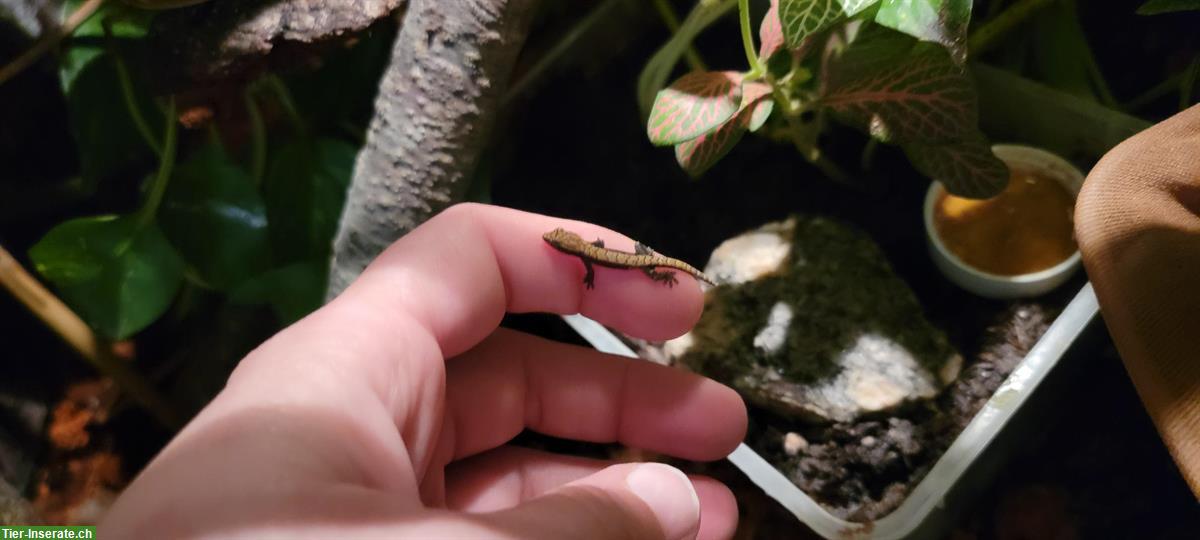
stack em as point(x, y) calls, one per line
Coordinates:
point(634, 500)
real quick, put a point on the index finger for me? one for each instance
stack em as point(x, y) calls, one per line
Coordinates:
point(458, 274)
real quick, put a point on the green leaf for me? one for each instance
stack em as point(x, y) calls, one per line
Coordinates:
point(900, 90)
point(1020, 110)
point(292, 291)
point(658, 69)
point(107, 139)
point(1154, 7)
point(305, 189)
point(118, 276)
point(694, 105)
point(123, 21)
point(938, 21)
point(803, 18)
point(213, 215)
point(770, 33)
point(1062, 57)
point(967, 168)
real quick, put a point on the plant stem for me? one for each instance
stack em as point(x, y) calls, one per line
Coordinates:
point(135, 112)
point(285, 100)
point(559, 49)
point(1187, 83)
point(1155, 92)
point(258, 137)
point(672, 21)
point(756, 67)
point(50, 38)
point(985, 37)
point(166, 164)
point(1184, 81)
point(76, 333)
point(796, 131)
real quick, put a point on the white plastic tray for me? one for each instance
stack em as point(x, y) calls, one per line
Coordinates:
point(925, 513)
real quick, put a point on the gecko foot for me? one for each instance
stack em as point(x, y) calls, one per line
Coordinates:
point(589, 278)
point(666, 277)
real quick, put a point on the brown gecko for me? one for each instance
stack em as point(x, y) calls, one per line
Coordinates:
point(643, 258)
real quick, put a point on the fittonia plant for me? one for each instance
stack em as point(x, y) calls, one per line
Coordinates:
point(893, 68)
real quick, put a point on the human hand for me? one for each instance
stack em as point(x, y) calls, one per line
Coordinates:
point(386, 413)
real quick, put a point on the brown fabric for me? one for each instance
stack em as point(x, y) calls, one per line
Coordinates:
point(1138, 226)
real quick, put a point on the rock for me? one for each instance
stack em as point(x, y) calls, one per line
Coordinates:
point(810, 321)
point(751, 255)
point(22, 424)
point(794, 443)
point(14, 509)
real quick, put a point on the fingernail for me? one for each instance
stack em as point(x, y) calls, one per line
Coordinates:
point(670, 495)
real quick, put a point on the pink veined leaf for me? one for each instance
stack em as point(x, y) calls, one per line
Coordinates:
point(698, 155)
point(770, 33)
point(752, 92)
point(901, 94)
point(967, 168)
point(757, 97)
point(760, 114)
point(693, 105)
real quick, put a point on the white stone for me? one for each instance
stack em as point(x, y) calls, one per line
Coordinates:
point(950, 370)
point(876, 374)
point(677, 347)
point(751, 255)
point(794, 443)
point(771, 338)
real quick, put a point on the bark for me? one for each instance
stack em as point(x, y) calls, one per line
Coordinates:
point(224, 39)
point(436, 103)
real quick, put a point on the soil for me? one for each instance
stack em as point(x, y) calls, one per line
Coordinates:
point(863, 470)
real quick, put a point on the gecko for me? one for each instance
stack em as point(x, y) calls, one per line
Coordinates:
point(643, 258)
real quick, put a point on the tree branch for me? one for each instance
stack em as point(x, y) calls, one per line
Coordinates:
point(222, 40)
point(436, 103)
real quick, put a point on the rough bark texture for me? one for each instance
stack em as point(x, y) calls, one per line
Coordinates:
point(436, 104)
point(224, 38)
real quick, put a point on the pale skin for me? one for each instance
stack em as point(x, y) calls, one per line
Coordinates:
point(387, 413)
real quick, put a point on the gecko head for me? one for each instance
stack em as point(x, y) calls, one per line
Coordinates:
point(558, 237)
